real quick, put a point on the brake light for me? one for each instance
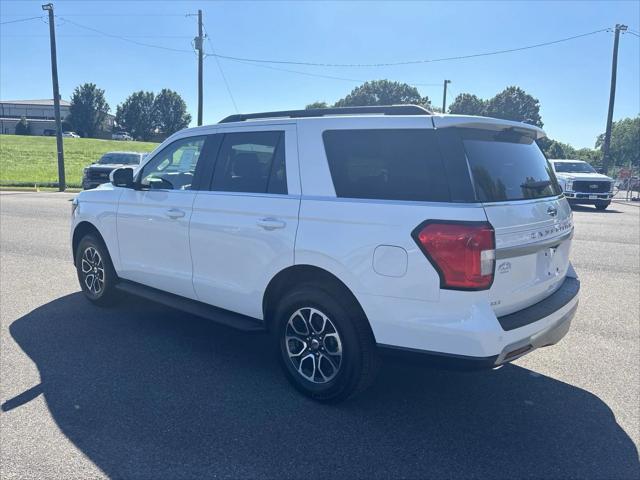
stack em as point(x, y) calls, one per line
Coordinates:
point(463, 253)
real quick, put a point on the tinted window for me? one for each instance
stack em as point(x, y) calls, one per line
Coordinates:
point(251, 162)
point(575, 167)
point(507, 165)
point(399, 164)
point(120, 158)
point(174, 167)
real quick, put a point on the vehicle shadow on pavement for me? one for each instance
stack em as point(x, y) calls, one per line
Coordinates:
point(584, 208)
point(149, 392)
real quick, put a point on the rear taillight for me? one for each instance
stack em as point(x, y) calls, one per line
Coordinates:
point(463, 253)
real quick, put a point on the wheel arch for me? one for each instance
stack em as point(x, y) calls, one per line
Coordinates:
point(294, 275)
point(82, 229)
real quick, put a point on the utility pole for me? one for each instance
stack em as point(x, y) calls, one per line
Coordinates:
point(62, 184)
point(612, 98)
point(444, 96)
point(199, 42)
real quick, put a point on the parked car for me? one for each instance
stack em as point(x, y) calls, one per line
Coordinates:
point(70, 135)
point(121, 136)
point(345, 233)
point(98, 173)
point(582, 184)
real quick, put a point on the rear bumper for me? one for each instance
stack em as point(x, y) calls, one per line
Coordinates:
point(484, 340)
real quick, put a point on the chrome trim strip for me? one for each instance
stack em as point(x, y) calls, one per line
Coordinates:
point(522, 202)
point(530, 248)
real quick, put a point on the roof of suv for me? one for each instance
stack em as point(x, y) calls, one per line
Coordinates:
point(438, 120)
point(323, 112)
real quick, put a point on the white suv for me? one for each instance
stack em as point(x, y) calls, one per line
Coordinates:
point(344, 233)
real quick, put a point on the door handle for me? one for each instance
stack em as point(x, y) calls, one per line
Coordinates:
point(174, 213)
point(271, 223)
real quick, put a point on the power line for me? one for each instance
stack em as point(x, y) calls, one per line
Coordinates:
point(411, 62)
point(22, 20)
point(116, 15)
point(224, 78)
point(123, 38)
point(89, 35)
point(633, 33)
point(319, 75)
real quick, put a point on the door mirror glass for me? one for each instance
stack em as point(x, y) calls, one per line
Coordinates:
point(122, 177)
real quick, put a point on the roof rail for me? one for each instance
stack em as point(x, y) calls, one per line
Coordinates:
point(320, 112)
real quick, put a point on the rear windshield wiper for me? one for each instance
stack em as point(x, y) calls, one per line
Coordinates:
point(536, 185)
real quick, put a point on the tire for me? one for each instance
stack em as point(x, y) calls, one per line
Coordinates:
point(602, 205)
point(92, 258)
point(325, 345)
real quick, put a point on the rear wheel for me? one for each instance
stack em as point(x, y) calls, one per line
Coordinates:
point(602, 205)
point(95, 271)
point(326, 348)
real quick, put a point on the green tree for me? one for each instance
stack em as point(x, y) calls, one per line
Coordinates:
point(137, 115)
point(554, 149)
point(468, 104)
point(317, 104)
point(171, 112)
point(23, 127)
point(383, 92)
point(88, 110)
point(625, 142)
point(589, 155)
point(513, 103)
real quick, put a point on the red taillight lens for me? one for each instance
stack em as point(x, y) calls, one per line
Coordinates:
point(462, 253)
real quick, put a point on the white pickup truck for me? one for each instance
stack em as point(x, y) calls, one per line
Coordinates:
point(582, 184)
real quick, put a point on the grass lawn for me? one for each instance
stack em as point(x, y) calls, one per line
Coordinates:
point(27, 160)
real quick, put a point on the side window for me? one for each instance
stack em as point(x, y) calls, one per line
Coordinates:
point(251, 162)
point(174, 167)
point(387, 164)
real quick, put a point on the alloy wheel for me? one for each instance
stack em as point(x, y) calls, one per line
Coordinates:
point(92, 268)
point(313, 345)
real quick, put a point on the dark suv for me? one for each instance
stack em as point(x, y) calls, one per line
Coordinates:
point(98, 173)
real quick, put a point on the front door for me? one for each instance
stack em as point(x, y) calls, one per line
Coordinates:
point(153, 219)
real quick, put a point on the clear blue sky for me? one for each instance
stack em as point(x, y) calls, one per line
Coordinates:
point(570, 79)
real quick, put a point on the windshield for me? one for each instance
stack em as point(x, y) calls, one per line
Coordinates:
point(508, 165)
point(573, 167)
point(120, 158)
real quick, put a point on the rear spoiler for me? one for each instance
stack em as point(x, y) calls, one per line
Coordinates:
point(485, 123)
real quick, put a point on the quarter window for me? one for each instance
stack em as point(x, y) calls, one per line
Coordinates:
point(251, 162)
point(174, 167)
point(388, 164)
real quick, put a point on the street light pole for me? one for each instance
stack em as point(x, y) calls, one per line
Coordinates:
point(62, 184)
point(612, 98)
point(200, 46)
point(444, 96)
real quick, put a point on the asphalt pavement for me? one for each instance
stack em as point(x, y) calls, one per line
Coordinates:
point(140, 391)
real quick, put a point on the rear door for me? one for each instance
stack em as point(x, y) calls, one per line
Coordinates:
point(523, 202)
point(243, 227)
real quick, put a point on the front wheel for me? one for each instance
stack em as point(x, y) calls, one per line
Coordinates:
point(602, 205)
point(326, 347)
point(96, 274)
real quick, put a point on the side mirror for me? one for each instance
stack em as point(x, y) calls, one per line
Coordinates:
point(122, 177)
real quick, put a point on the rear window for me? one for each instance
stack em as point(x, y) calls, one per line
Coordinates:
point(387, 164)
point(120, 158)
point(573, 167)
point(507, 165)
